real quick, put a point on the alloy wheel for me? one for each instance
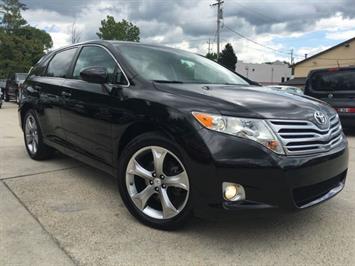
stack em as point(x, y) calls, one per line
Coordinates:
point(157, 182)
point(31, 133)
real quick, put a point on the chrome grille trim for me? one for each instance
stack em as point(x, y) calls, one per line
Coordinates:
point(301, 137)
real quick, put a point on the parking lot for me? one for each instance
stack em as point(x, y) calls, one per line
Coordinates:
point(61, 212)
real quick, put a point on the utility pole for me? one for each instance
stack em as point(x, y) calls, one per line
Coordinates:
point(219, 17)
point(209, 45)
point(292, 58)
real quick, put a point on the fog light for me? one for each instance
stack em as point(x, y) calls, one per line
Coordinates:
point(233, 192)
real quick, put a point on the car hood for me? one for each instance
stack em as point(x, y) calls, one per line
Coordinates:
point(249, 101)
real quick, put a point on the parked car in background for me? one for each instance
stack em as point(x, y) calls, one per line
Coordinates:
point(182, 134)
point(2, 87)
point(1, 98)
point(336, 86)
point(13, 85)
point(288, 89)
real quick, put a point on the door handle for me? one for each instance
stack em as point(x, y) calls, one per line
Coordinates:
point(66, 94)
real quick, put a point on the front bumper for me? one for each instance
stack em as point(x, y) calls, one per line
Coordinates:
point(269, 180)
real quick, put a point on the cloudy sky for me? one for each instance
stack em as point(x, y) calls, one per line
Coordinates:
point(277, 26)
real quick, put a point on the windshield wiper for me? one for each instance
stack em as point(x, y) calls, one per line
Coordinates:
point(168, 81)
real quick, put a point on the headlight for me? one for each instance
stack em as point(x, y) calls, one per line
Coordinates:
point(247, 128)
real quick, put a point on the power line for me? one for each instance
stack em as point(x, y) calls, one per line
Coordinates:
point(256, 12)
point(255, 42)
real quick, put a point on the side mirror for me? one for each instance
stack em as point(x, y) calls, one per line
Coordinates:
point(94, 75)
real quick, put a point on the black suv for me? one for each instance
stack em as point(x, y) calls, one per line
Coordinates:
point(13, 85)
point(182, 134)
point(335, 86)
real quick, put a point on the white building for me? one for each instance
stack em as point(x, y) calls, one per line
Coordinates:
point(266, 74)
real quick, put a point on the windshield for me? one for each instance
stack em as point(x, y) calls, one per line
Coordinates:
point(333, 81)
point(169, 65)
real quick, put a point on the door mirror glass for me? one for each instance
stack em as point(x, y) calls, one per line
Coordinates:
point(94, 75)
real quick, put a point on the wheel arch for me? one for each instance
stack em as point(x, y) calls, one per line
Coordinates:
point(136, 130)
point(187, 139)
point(23, 109)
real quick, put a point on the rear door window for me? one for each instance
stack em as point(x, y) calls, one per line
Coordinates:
point(333, 81)
point(60, 63)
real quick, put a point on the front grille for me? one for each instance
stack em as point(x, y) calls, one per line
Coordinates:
point(305, 195)
point(301, 137)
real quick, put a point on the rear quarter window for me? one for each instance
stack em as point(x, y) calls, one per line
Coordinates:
point(40, 67)
point(333, 81)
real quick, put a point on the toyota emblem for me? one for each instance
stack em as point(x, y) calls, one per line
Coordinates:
point(320, 118)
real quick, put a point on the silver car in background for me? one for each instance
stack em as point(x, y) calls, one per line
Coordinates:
point(287, 89)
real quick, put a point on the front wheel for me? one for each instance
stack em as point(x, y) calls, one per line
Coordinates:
point(154, 182)
point(35, 146)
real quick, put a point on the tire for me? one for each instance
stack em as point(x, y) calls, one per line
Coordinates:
point(17, 98)
point(7, 97)
point(33, 138)
point(161, 202)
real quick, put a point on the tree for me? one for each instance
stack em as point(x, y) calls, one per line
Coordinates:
point(21, 45)
point(228, 58)
point(37, 37)
point(75, 33)
point(212, 56)
point(123, 30)
point(13, 19)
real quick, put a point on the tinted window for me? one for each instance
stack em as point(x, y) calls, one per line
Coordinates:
point(96, 56)
point(59, 65)
point(165, 64)
point(332, 81)
point(40, 68)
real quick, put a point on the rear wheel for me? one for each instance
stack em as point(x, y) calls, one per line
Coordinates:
point(35, 146)
point(154, 182)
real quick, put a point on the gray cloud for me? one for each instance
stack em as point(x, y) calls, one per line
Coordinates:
point(176, 21)
point(69, 7)
point(297, 15)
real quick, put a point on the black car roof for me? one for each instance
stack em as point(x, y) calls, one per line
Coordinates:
point(330, 69)
point(115, 42)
